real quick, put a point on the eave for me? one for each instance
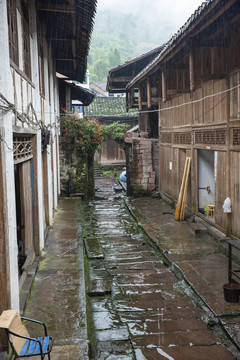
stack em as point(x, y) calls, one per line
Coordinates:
point(69, 25)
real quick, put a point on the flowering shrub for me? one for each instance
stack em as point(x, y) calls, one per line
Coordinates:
point(86, 134)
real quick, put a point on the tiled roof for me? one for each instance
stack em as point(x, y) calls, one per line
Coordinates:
point(110, 107)
point(69, 26)
point(174, 38)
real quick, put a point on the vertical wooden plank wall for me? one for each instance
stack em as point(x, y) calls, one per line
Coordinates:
point(221, 188)
point(4, 293)
point(26, 203)
point(235, 193)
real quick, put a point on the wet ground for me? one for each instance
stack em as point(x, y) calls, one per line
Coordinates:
point(137, 307)
point(163, 301)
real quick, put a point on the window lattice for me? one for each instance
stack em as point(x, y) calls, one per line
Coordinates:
point(210, 137)
point(182, 138)
point(167, 138)
point(221, 137)
point(236, 136)
point(22, 148)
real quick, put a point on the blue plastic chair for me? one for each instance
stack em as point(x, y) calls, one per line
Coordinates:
point(21, 343)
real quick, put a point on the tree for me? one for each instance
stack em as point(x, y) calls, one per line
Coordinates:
point(85, 135)
point(100, 68)
point(116, 131)
point(114, 57)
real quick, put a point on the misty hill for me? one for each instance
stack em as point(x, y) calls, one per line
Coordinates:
point(118, 37)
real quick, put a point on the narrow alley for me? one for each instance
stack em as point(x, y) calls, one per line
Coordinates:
point(136, 308)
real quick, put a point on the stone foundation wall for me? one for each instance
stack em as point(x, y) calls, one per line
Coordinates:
point(143, 175)
point(72, 171)
point(155, 160)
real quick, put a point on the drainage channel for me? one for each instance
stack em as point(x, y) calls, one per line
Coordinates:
point(137, 307)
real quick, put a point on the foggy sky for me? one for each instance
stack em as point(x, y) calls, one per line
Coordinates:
point(171, 14)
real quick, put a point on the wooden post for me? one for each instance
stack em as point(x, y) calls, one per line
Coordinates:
point(164, 87)
point(191, 68)
point(4, 278)
point(90, 176)
point(149, 100)
point(140, 98)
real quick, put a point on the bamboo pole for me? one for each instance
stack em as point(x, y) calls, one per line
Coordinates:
point(180, 209)
point(182, 212)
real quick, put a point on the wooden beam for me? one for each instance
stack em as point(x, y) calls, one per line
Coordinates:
point(164, 87)
point(191, 69)
point(56, 8)
point(149, 102)
point(121, 79)
point(209, 43)
point(177, 66)
point(140, 98)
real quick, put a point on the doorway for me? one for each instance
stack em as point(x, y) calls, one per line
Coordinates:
point(24, 210)
point(206, 178)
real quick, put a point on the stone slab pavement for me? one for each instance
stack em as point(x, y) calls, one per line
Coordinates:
point(58, 291)
point(199, 259)
point(59, 281)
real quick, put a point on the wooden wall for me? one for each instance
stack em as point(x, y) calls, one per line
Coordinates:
point(4, 289)
point(111, 153)
point(27, 203)
point(235, 191)
point(221, 192)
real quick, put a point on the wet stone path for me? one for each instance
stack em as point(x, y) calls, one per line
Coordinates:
point(137, 308)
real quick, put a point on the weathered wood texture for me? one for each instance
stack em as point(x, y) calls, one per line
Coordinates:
point(4, 291)
point(111, 153)
point(27, 203)
point(221, 188)
point(235, 191)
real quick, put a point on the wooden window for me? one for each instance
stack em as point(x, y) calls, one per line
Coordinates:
point(210, 137)
point(22, 148)
point(12, 31)
point(26, 39)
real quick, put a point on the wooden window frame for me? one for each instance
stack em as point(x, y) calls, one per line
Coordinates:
point(26, 39)
point(12, 31)
point(41, 70)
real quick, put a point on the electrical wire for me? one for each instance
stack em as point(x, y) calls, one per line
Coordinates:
point(191, 102)
point(25, 117)
point(2, 139)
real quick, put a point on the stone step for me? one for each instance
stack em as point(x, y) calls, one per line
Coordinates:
point(198, 228)
point(99, 287)
point(93, 248)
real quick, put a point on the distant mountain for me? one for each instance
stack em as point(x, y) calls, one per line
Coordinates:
point(116, 38)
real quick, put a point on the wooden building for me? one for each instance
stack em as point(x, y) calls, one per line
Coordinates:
point(189, 98)
point(38, 40)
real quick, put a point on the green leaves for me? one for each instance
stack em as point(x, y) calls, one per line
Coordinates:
point(115, 131)
point(86, 134)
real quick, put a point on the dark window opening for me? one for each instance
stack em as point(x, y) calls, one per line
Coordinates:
point(12, 31)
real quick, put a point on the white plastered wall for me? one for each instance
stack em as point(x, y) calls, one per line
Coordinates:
point(20, 92)
point(6, 89)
